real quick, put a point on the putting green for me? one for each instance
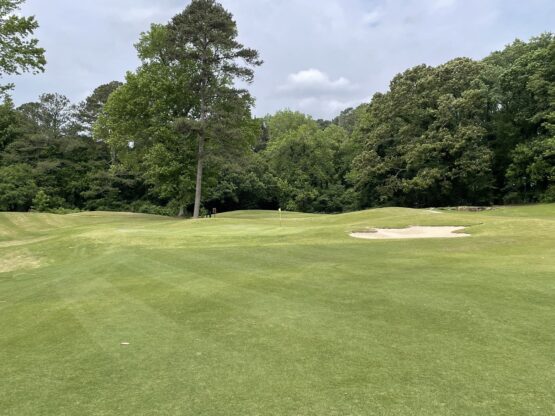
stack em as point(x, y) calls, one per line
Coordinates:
point(119, 314)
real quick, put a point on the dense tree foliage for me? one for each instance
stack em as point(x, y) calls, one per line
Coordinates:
point(462, 133)
point(524, 126)
point(425, 141)
point(19, 51)
point(46, 141)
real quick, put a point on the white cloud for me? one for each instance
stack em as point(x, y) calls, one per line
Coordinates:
point(374, 17)
point(326, 107)
point(314, 92)
point(314, 81)
point(443, 4)
point(141, 14)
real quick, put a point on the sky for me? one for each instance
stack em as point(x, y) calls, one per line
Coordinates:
point(321, 56)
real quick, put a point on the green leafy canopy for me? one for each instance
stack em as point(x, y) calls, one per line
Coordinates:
point(19, 51)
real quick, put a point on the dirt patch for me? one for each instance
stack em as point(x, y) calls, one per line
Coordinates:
point(21, 261)
point(410, 233)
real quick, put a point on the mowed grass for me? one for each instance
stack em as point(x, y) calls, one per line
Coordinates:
point(240, 315)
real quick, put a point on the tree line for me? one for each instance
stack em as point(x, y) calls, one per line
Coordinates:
point(178, 137)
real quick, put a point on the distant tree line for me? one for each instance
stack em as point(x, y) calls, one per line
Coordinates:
point(463, 133)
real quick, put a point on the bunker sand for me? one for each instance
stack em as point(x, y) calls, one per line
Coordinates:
point(411, 233)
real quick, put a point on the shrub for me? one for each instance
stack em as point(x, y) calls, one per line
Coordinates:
point(146, 207)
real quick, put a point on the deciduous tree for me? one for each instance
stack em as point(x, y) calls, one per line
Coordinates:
point(19, 51)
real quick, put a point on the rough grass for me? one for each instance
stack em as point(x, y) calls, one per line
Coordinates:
point(17, 261)
point(241, 316)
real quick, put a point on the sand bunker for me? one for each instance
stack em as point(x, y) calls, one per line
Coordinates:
point(410, 232)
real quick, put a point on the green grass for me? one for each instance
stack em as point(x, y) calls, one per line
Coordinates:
point(241, 316)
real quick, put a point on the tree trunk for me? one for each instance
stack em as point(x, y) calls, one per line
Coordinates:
point(200, 157)
point(200, 166)
point(181, 211)
point(112, 156)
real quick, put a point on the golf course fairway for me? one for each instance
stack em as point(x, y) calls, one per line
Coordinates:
point(122, 314)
